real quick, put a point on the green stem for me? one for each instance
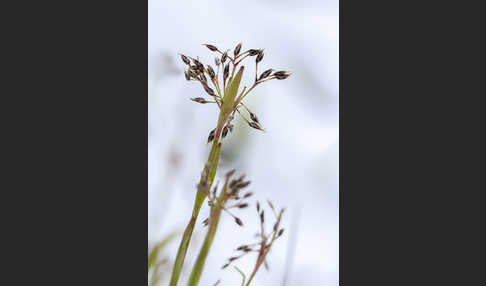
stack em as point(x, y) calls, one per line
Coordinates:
point(208, 240)
point(200, 197)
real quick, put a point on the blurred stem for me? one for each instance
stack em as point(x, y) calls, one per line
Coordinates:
point(208, 240)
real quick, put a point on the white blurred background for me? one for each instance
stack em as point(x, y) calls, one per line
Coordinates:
point(295, 163)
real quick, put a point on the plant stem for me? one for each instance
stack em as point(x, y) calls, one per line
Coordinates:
point(208, 240)
point(200, 197)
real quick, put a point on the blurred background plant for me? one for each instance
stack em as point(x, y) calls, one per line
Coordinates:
point(295, 163)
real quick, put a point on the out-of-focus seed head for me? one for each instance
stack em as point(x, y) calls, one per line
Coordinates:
point(253, 52)
point(254, 117)
point(211, 135)
point(281, 74)
point(259, 58)
point(265, 74)
point(217, 62)
point(237, 49)
point(199, 100)
point(242, 206)
point(238, 221)
point(211, 47)
point(254, 125)
point(247, 195)
point(185, 60)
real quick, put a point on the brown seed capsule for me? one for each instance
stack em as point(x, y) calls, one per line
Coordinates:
point(254, 117)
point(211, 47)
point(237, 50)
point(265, 74)
point(243, 185)
point(253, 52)
point(211, 72)
point(226, 72)
point(247, 195)
point(233, 258)
point(258, 207)
point(209, 90)
point(255, 125)
point(224, 57)
point(199, 100)
point(280, 232)
point(203, 77)
point(262, 216)
point(225, 131)
point(211, 135)
point(242, 206)
point(281, 74)
point(217, 61)
point(199, 66)
point(186, 74)
point(259, 57)
point(185, 60)
point(192, 74)
point(238, 221)
point(275, 226)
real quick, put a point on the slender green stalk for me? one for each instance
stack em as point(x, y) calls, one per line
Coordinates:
point(200, 197)
point(208, 240)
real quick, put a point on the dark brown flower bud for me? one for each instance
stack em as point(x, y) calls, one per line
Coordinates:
point(238, 221)
point(259, 57)
point(242, 247)
point(265, 74)
point(253, 52)
point(243, 185)
point(202, 77)
point(186, 74)
point(254, 125)
point(185, 60)
point(237, 49)
point(254, 117)
point(258, 207)
point(281, 74)
point(199, 100)
point(199, 66)
point(224, 57)
point(211, 135)
point(280, 232)
point(262, 216)
point(225, 131)
point(211, 72)
point(231, 259)
point(226, 72)
point(211, 47)
point(209, 90)
point(242, 206)
point(247, 195)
